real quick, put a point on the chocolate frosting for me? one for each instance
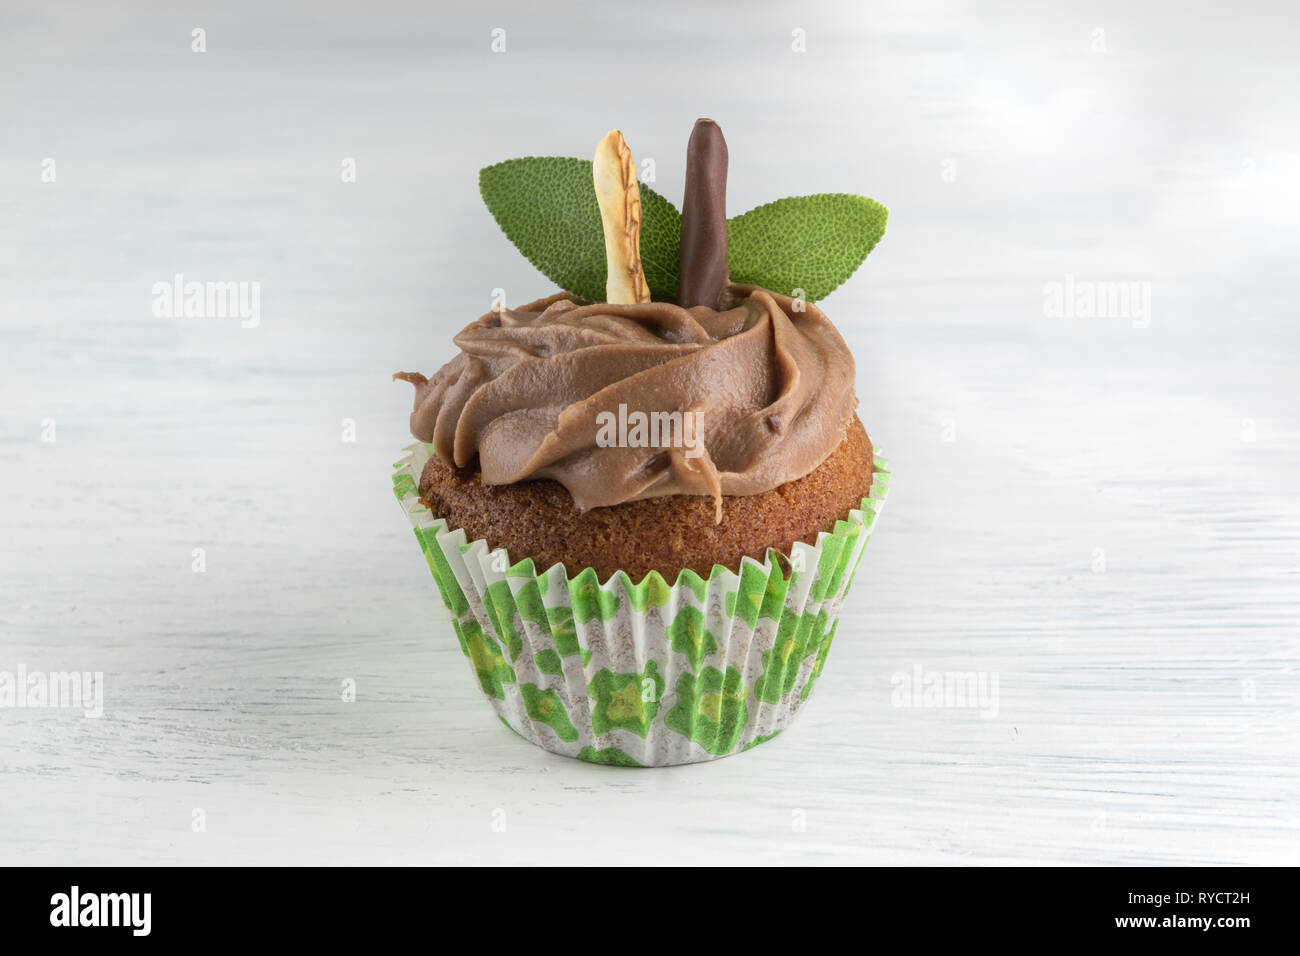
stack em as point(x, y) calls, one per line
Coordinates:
point(770, 389)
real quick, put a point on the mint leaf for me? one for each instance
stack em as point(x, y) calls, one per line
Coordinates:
point(547, 207)
point(812, 243)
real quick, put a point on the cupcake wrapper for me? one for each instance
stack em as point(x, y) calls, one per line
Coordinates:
point(647, 674)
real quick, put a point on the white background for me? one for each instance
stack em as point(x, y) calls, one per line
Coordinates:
point(1147, 713)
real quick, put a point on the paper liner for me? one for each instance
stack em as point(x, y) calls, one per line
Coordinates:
point(642, 674)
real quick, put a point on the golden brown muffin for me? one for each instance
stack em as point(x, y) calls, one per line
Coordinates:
point(538, 519)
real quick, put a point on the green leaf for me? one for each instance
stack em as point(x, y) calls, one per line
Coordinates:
point(811, 243)
point(547, 206)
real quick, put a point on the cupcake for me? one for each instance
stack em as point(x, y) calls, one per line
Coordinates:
point(644, 508)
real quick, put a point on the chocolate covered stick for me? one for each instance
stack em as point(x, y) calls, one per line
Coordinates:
point(619, 196)
point(704, 218)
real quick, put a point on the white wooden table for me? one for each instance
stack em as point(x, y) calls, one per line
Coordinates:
point(1101, 516)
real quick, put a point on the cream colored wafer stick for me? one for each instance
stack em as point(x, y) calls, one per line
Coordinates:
point(619, 196)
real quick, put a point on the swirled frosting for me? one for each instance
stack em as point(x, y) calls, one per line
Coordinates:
point(762, 389)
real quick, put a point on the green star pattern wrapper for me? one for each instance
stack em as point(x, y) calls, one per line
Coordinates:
point(649, 674)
